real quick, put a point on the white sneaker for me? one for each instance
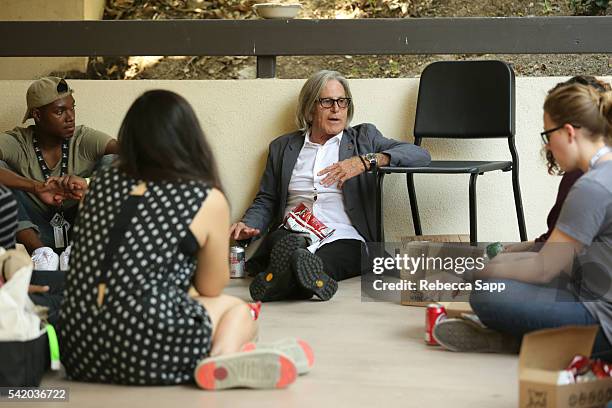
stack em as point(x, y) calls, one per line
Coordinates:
point(64, 258)
point(297, 350)
point(45, 259)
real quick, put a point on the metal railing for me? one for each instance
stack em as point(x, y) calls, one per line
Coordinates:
point(267, 39)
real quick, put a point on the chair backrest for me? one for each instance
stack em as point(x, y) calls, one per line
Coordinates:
point(466, 99)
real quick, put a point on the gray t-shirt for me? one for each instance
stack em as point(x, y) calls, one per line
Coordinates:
point(586, 216)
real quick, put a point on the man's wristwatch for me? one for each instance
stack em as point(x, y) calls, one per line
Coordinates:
point(372, 159)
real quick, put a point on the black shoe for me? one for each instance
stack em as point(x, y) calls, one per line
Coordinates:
point(310, 275)
point(302, 294)
point(278, 282)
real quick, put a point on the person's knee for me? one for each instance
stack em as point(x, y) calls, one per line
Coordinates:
point(20, 195)
point(485, 303)
point(233, 301)
point(27, 226)
point(224, 303)
point(497, 309)
point(236, 307)
point(480, 301)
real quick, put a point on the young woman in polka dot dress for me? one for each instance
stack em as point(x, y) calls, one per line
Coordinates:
point(149, 228)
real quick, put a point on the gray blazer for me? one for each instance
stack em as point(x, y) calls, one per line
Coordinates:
point(268, 208)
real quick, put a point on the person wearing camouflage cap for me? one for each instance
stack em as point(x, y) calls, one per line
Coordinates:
point(46, 165)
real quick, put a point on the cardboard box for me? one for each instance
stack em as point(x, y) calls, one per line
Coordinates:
point(546, 352)
point(435, 246)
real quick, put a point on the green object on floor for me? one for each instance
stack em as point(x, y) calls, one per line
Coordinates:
point(53, 347)
point(494, 249)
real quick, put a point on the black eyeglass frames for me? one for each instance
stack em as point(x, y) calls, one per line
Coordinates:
point(545, 135)
point(327, 103)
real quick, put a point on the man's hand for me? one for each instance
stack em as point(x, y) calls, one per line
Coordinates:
point(240, 231)
point(50, 194)
point(57, 189)
point(71, 187)
point(341, 171)
point(71, 184)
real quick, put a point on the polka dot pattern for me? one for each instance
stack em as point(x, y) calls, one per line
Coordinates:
point(148, 330)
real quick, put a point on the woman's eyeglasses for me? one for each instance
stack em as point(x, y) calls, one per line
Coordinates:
point(545, 135)
point(327, 103)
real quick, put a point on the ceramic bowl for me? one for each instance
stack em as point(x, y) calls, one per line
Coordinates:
point(274, 10)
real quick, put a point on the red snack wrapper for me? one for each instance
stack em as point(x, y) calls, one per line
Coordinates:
point(579, 365)
point(582, 369)
point(301, 219)
point(598, 369)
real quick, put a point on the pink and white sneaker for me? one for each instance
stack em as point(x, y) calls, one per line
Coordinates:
point(255, 369)
point(298, 350)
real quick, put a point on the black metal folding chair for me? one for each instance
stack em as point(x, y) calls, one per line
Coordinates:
point(462, 100)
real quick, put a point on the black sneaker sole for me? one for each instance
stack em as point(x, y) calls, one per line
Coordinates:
point(277, 283)
point(310, 274)
point(466, 336)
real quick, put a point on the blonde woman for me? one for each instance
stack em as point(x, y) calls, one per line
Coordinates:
point(569, 282)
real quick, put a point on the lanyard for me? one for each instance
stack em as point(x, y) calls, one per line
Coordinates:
point(598, 154)
point(41, 161)
point(58, 222)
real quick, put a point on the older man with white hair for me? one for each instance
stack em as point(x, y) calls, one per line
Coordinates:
point(328, 167)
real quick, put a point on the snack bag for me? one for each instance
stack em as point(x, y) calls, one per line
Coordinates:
point(300, 219)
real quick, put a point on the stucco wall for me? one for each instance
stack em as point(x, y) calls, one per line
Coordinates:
point(240, 118)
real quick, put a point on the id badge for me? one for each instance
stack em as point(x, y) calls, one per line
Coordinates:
point(60, 230)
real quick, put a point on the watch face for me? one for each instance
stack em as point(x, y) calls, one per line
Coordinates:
point(371, 158)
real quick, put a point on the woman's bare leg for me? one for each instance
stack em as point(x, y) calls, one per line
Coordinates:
point(233, 324)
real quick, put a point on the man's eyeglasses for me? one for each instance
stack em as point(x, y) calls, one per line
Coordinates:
point(545, 135)
point(327, 103)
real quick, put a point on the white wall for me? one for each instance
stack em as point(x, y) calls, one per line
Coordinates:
point(241, 117)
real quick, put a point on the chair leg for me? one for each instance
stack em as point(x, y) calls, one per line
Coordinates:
point(473, 219)
point(414, 208)
point(518, 203)
point(380, 223)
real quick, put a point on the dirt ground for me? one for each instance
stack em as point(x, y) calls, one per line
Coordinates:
point(388, 66)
